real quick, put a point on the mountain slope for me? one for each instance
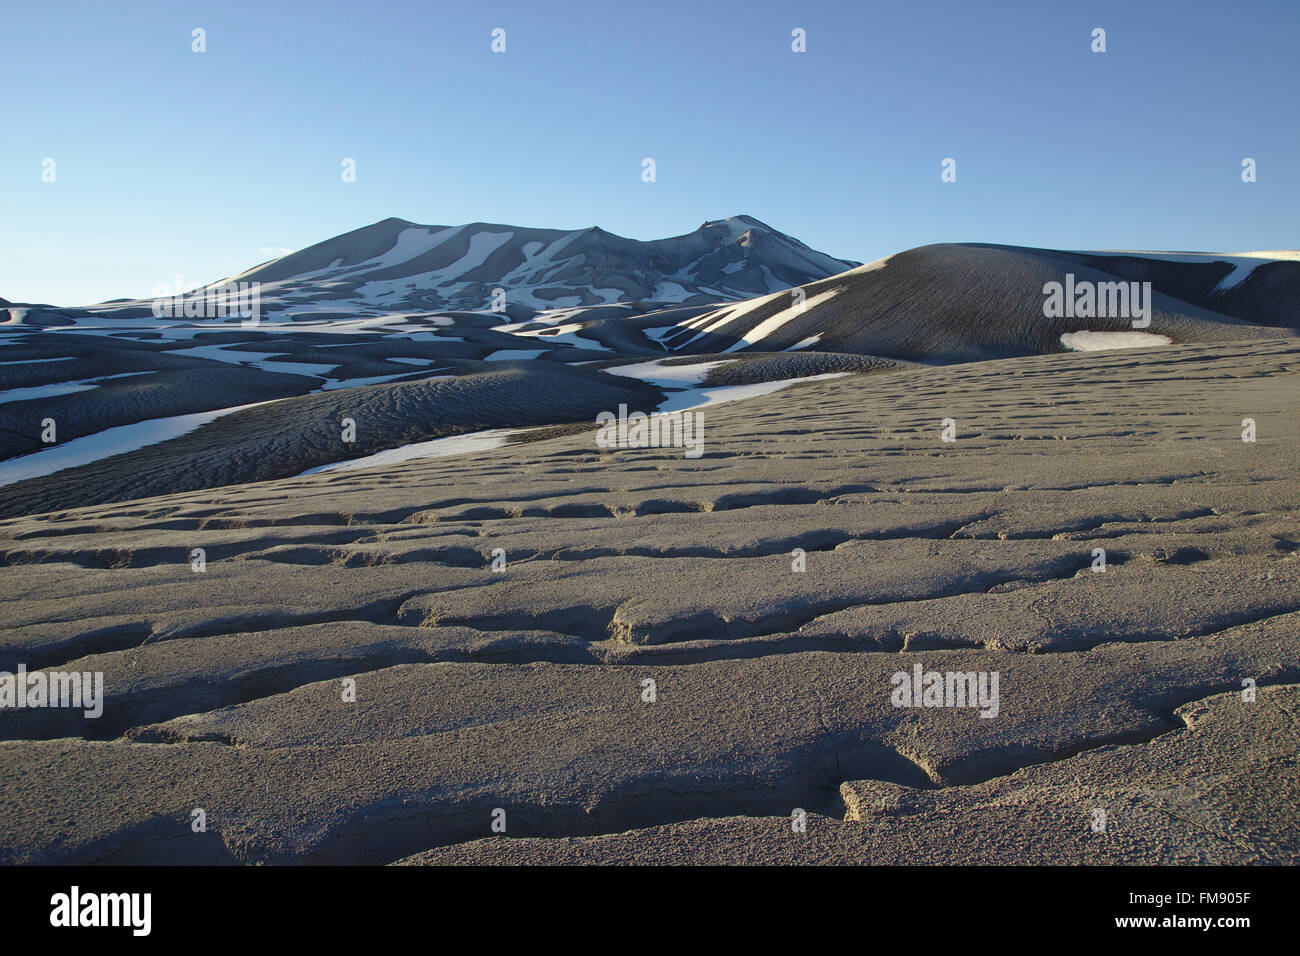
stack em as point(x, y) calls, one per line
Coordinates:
point(956, 303)
point(1258, 287)
point(396, 265)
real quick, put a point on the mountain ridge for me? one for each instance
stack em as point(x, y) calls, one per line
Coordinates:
point(396, 264)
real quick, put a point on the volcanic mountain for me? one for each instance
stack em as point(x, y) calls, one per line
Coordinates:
point(396, 265)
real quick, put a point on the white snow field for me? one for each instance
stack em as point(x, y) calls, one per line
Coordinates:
point(1088, 341)
point(466, 444)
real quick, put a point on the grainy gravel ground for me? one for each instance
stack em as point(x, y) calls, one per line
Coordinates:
point(524, 689)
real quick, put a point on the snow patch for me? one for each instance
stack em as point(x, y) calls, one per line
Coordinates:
point(658, 374)
point(436, 448)
point(510, 355)
point(60, 388)
point(36, 361)
point(1088, 341)
point(805, 343)
point(772, 323)
point(703, 397)
point(106, 444)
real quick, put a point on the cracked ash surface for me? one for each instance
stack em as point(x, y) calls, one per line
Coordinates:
point(521, 690)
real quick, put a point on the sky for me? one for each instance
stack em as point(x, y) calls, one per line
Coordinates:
point(171, 162)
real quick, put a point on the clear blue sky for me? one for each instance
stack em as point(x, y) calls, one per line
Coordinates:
point(168, 161)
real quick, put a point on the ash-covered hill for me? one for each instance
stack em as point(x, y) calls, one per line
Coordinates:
point(960, 303)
